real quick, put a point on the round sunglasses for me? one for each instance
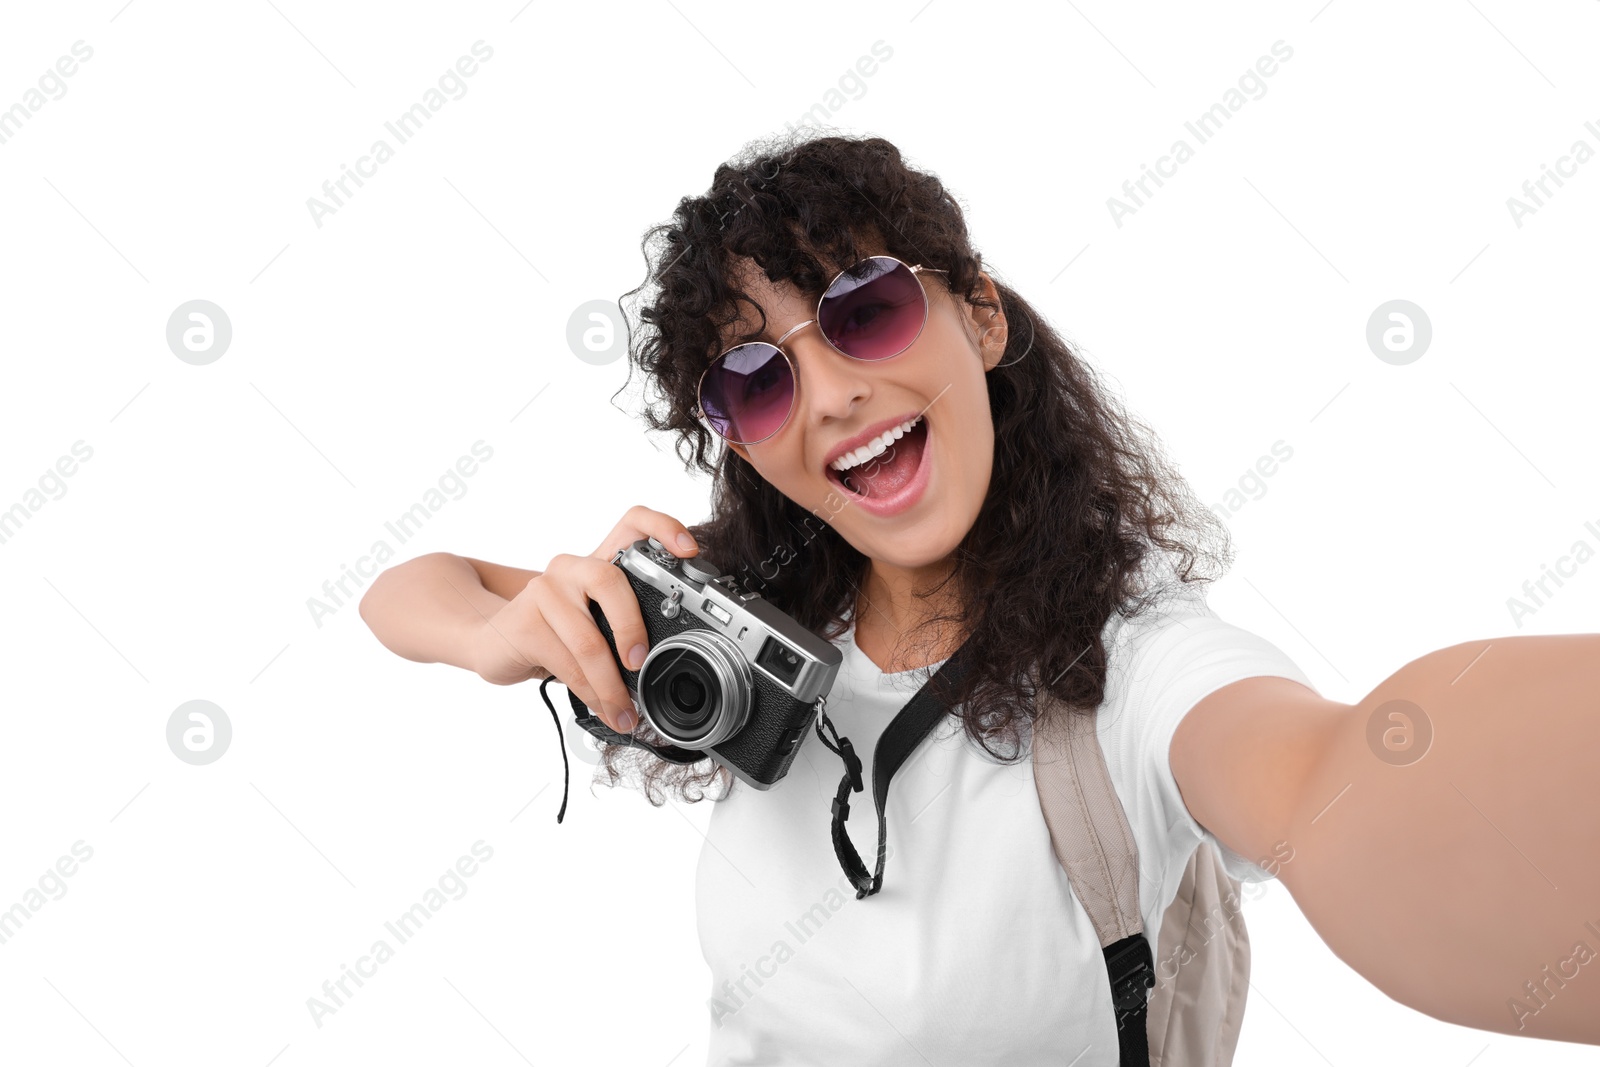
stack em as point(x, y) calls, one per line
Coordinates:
point(872, 311)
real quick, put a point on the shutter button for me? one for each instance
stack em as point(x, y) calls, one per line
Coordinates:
point(659, 552)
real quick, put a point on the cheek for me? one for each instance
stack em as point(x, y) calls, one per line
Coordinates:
point(785, 471)
point(967, 450)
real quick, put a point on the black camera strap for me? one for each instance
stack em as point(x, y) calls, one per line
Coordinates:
point(671, 753)
point(910, 726)
point(592, 723)
point(900, 738)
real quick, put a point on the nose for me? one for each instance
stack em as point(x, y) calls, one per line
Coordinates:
point(831, 384)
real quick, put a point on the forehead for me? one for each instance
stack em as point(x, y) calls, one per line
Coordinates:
point(784, 303)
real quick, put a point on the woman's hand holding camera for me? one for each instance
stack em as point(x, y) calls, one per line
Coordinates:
point(547, 628)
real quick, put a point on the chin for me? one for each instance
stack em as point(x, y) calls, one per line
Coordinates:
point(927, 543)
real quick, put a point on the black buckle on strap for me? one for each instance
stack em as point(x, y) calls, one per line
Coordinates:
point(841, 800)
point(904, 733)
point(852, 764)
point(1132, 970)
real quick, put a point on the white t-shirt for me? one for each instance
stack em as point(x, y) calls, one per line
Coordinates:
point(975, 950)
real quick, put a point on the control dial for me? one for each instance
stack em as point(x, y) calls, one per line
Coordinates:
point(700, 570)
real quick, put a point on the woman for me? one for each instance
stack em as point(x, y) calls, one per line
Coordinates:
point(915, 462)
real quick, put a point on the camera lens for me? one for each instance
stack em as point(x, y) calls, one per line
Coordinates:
point(687, 694)
point(695, 688)
point(681, 695)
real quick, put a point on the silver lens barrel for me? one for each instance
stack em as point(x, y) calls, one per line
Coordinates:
point(695, 689)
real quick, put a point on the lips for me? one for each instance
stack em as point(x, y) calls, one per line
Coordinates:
point(879, 481)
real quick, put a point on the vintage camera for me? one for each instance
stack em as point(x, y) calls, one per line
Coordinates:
point(727, 673)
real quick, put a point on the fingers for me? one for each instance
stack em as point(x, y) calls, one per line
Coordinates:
point(557, 661)
point(578, 652)
point(611, 589)
point(640, 522)
point(602, 688)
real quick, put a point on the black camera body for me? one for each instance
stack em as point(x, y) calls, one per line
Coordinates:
point(727, 672)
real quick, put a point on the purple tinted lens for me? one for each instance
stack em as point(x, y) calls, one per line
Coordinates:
point(747, 392)
point(874, 310)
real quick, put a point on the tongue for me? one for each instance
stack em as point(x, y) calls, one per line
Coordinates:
point(886, 474)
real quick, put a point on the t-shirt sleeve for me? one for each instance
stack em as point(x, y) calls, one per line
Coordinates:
point(1160, 665)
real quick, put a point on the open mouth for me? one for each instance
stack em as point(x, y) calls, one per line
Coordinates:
point(889, 471)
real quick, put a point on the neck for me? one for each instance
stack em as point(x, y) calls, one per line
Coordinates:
point(890, 612)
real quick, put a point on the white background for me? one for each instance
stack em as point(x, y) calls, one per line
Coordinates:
point(430, 311)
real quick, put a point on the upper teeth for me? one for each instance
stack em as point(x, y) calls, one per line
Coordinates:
point(874, 447)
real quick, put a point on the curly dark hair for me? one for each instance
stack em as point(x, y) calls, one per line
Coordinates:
point(1084, 515)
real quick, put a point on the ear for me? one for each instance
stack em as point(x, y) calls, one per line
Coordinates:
point(744, 453)
point(988, 325)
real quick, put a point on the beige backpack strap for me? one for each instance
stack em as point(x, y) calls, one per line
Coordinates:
point(1090, 834)
point(1203, 969)
point(1202, 979)
point(1087, 825)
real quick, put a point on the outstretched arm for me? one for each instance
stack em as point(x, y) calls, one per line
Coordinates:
point(1445, 831)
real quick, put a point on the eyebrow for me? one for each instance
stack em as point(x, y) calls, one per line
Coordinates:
point(747, 338)
point(760, 335)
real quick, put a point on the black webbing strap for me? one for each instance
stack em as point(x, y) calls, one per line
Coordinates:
point(586, 719)
point(1131, 968)
point(911, 724)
